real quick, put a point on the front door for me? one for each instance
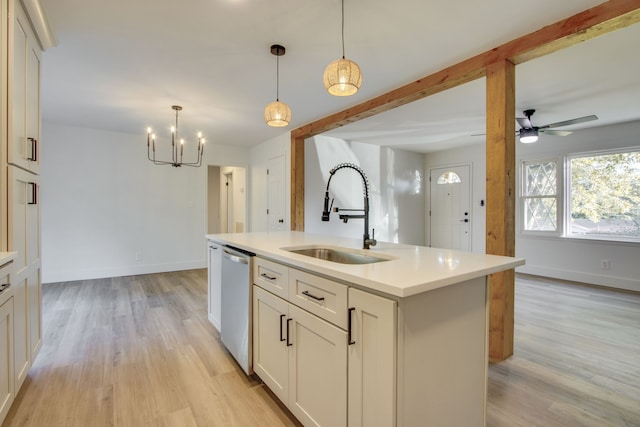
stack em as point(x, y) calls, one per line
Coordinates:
point(450, 217)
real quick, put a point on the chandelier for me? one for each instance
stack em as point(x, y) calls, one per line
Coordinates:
point(176, 155)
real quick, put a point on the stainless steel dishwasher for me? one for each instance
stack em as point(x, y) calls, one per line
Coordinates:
point(235, 322)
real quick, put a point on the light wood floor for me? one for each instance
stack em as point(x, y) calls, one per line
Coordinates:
point(139, 351)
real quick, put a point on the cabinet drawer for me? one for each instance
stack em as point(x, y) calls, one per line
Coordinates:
point(271, 276)
point(5, 288)
point(322, 297)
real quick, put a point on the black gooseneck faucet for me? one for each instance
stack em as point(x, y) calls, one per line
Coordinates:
point(366, 241)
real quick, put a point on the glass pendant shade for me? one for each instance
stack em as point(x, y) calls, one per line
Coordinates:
point(277, 114)
point(342, 77)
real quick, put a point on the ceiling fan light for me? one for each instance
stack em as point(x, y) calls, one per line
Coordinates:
point(342, 77)
point(277, 114)
point(528, 136)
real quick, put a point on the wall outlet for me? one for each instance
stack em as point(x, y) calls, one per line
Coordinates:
point(139, 256)
point(604, 264)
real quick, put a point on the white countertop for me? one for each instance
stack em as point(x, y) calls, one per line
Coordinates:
point(413, 269)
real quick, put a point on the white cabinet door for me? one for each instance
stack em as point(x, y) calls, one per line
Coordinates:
point(24, 146)
point(20, 331)
point(317, 370)
point(270, 351)
point(215, 284)
point(372, 361)
point(34, 303)
point(22, 237)
point(7, 393)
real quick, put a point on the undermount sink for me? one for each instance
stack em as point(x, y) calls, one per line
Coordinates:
point(336, 255)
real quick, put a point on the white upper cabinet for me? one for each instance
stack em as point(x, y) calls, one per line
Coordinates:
point(23, 149)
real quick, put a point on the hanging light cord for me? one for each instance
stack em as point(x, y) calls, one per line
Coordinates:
point(342, 29)
point(277, 78)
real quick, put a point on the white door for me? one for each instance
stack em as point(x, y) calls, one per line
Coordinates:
point(6, 357)
point(215, 283)
point(450, 216)
point(270, 349)
point(317, 370)
point(372, 367)
point(276, 193)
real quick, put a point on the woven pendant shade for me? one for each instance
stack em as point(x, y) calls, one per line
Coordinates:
point(277, 114)
point(342, 77)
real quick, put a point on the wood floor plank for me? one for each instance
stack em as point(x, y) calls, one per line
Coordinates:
point(140, 351)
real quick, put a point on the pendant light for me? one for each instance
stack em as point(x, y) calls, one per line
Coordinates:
point(343, 76)
point(277, 114)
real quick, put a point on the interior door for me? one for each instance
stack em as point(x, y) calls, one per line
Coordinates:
point(276, 193)
point(450, 216)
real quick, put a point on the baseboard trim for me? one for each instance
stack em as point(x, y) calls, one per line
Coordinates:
point(576, 276)
point(70, 276)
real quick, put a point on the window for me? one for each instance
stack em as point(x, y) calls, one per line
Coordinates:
point(540, 198)
point(604, 195)
point(449, 178)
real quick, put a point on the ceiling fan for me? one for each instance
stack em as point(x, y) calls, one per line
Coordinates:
point(528, 133)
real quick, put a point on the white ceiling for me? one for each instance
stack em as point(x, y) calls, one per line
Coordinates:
point(119, 65)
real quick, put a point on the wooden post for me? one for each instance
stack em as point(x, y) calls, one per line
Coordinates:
point(501, 169)
point(297, 182)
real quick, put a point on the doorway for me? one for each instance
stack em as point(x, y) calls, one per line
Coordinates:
point(449, 213)
point(226, 199)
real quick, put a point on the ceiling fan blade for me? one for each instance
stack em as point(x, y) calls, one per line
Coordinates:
point(524, 122)
point(570, 122)
point(556, 132)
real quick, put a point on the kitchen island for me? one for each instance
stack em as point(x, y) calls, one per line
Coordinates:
point(399, 341)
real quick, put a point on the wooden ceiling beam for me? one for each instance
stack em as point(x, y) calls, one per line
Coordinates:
point(601, 19)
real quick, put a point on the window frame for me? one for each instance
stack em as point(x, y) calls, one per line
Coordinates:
point(567, 195)
point(559, 196)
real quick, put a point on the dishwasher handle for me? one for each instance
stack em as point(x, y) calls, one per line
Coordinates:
point(235, 258)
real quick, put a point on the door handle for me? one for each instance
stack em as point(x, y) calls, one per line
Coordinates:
point(34, 194)
point(289, 344)
point(464, 220)
point(282, 316)
point(281, 221)
point(350, 340)
point(34, 149)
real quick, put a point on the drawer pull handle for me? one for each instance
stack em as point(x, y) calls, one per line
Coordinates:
point(4, 287)
point(282, 316)
point(289, 343)
point(266, 276)
point(350, 337)
point(312, 296)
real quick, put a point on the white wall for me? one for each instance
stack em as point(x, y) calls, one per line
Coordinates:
point(396, 189)
point(475, 156)
point(259, 157)
point(104, 204)
point(562, 258)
